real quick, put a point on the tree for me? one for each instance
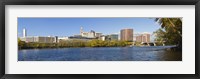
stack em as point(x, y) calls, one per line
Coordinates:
point(21, 44)
point(171, 30)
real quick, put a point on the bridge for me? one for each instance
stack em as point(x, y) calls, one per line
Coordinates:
point(150, 44)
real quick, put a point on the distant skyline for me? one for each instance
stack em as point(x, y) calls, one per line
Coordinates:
point(71, 26)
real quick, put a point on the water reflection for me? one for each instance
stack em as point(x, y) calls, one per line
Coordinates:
point(150, 53)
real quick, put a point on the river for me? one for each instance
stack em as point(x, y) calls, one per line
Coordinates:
point(146, 53)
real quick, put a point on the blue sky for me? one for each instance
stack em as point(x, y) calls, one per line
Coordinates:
point(71, 26)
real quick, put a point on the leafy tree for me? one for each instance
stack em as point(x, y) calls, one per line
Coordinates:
point(170, 31)
point(21, 44)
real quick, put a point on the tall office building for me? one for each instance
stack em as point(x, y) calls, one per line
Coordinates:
point(24, 32)
point(147, 37)
point(126, 35)
point(143, 38)
point(139, 38)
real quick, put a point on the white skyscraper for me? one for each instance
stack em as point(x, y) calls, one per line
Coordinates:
point(24, 32)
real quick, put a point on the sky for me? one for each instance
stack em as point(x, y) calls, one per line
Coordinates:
point(71, 26)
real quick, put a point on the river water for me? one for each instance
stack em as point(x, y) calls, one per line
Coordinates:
point(146, 53)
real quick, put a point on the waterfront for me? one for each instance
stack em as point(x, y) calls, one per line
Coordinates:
point(146, 53)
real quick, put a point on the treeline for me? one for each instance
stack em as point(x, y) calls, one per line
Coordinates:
point(73, 43)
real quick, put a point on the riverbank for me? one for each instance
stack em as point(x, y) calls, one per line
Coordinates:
point(73, 44)
point(69, 47)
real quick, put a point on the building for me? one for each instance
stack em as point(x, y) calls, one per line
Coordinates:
point(24, 32)
point(135, 36)
point(91, 34)
point(145, 37)
point(56, 39)
point(39, 39)
point(62, 39)
point(113, 37)
point(45, 39)
point(103, 38)
point(109, 37)
point(98, 34)
point(80, 38)
point(139, 38)
point(85, 36)
point(126, 35)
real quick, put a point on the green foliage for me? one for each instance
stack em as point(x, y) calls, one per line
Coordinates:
point(170, 32)
point(21, 44)
point(73, 43)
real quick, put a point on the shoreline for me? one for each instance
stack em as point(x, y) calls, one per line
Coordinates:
point(64, 47)
point(100, 47)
